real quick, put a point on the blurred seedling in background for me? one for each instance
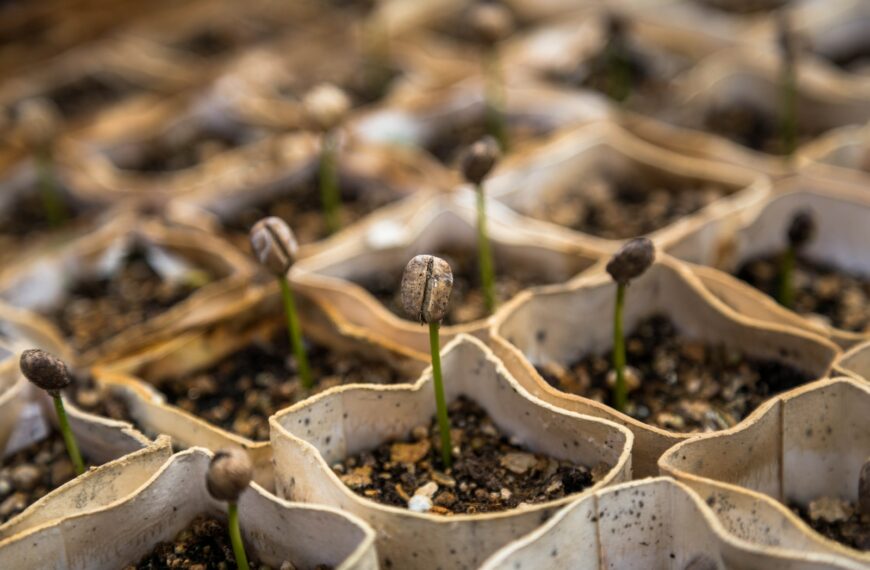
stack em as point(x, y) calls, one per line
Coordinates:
point(327, 106)
point(618, 58)
point(492, 23)
point(426, 286)
point(229, 474)
point(477, 162)
point(40, 123)
point(626, 265)
point(276, 248)
point(801, 231)
point(49, 373)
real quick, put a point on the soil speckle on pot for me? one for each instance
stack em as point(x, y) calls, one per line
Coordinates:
point(831, 296)
point(489, 473)
point(243, 389)
point(679, 384)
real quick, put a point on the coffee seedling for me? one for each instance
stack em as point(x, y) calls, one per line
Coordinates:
point(327, 106)
point(617, 58)
point(864, 490)
point(492, 23)
point(48, 372)
point(788, 84)
point(229, 474)
point(627, 264)
point(39, 120)
point(801, 231)
point(275, 246)
point(426, 286)
point(477, 162)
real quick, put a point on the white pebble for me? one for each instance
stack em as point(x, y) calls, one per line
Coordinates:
point(427, 490)
point(420, 504)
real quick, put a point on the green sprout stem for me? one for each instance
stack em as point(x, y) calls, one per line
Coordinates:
point(785, 292)
point(440, 401)
point(72, 447)
point(329, 193)
point(495, 121)
point(620, 394)
point(53, 207)
point(788, 114)
point(296, 334)
point(618, 76)
point(484, 253)
point(236, 536)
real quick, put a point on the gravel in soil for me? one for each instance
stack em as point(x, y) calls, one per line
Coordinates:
point(755, 129)
point(822, 292)
point(625, 208)
point(302, 208)
point(466, 299)
point(32, 473)
point(678, 384)
point(203, 545)
point(489, 473)
point(26, 215)
point(838, 520)
point(242, 390)
point(96, 309)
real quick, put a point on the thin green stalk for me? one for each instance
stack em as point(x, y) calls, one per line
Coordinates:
point(54, 209)
point(296, 334)
point(72, 448)
point(618, 77)
point(785, 292)
point(236, 537)
point(440, 401)
point(484, 254)
point(495, 122)
point(788, 116)
point(620, 394)
point(329, 194)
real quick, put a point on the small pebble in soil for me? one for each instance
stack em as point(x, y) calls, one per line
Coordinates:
point(96, 309)
point(243, 389)
point(32, 473)
point(489, 473)
point(626, 208)
point(822, 292)
point(466, 298)
point(838, 520)
point(203, 545)
point(683, 385)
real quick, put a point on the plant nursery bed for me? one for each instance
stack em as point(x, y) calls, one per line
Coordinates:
point(837, 297)
point(26, 216)
point(838, 520)
point(466, 298)
point(243, 389)
point(302, 209)
point(681, 385)
point(203, 545)
point(489, 474)
point(625, 208)
point(32, 473)
point(755, 129)
point(97, 308)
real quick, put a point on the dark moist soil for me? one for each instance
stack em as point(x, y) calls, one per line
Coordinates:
point(448, 146)
point(489, 473)
point(753, 128)
point(685, 385)
point(833, 296)
point(32, 473)
point(302, 208)
point(26, 216)
point(596, 74)
point(851, 528)
point(88, 397)
point(744, 7)
point(203, 545)
point(97, 309)
point(620, 209)
point(88, 94)
point(466, 298)
point(240, 392)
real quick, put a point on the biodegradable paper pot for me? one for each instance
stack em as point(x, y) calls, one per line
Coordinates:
point(274, 531)
point(654, 523)
point(550, 326)
point(855, 362)
point(602, 149)
point(840, 211)
point(255, 320)
point(804, 444)
point(309, 437)
point(14, 390)
point(388, 242)
point(842, 153)
point(40, 283)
